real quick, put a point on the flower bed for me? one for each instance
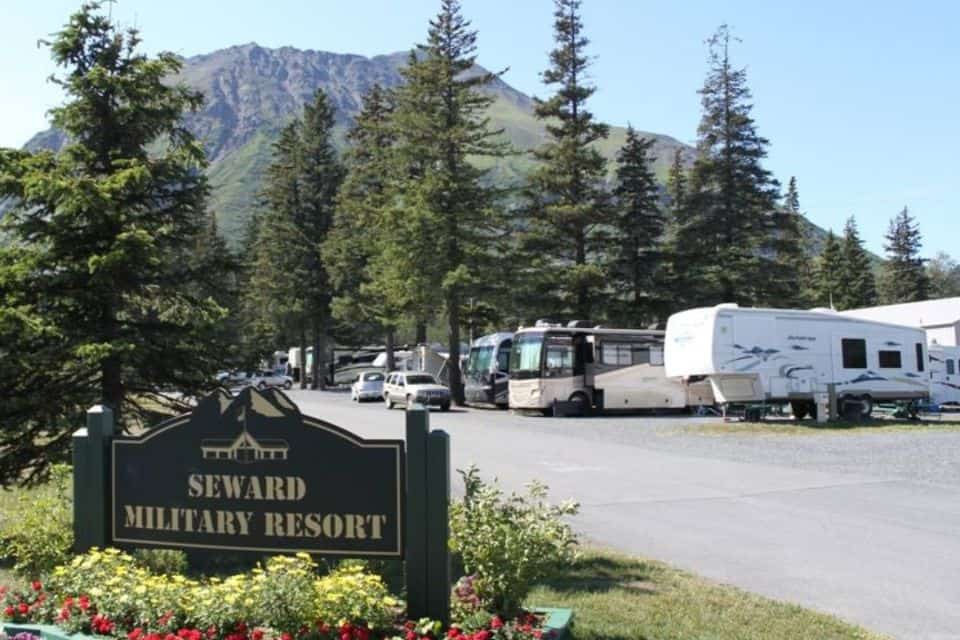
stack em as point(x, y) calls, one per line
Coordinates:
point(107, 593)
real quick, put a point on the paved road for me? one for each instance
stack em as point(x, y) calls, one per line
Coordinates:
point(866, 527)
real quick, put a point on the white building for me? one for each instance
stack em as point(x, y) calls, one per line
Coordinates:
point(940, 318)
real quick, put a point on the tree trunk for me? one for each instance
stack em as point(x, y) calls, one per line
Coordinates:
point(316, 368)
point(303, 357)
point(453, 363)
point(389, 338)
point(421, 332)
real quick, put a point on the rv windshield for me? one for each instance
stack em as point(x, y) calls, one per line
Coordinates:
point(479, 361)
point(525, 356)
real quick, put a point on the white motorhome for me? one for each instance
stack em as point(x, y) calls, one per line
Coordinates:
point(944, 374)
point(785, 355)
point(598, 369)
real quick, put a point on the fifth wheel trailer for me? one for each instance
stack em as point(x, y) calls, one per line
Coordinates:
point(786, 355)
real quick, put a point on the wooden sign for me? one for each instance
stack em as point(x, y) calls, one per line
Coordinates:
point(250, 473)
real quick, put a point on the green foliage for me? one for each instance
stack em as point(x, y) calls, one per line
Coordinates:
point(162, 561)
point(569, 217)
point(790, 275)
point(37, 532)
point(903, 277)
point(101, 290)
point(944, 275)
point(857, 283)
point(827, 284)
point(721, 236)
point(639, 220)
point(509, 542)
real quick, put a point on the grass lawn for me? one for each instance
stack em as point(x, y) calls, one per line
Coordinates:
point(787, 427)
point(615, 597)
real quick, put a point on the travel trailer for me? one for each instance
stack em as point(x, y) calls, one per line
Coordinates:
point(944, 374)
point(487, 373)
point(785, 355)
point(595, 369)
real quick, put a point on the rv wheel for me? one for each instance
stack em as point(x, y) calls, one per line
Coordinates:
point(800, 408)
point(866, 406)
point(582, 402)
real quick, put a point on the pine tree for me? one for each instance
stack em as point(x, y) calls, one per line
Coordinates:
point(446, 211)
point(722, 237)
point(857, 284)
point(361, 223)
point(828, 274)
point(569, 211)
point(790, 272)
point(903, 277)
point(96, 285)
point(944, 275)
point(290, 286)
point(674, 289)
point(640, 224)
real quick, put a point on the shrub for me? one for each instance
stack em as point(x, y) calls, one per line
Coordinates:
point(350, 595)
point(167, 561)
point(509, 542)
point(37, 533)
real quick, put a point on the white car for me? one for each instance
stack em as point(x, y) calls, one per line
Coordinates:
point(409, 387)
point(264, 379)
point(369, 386)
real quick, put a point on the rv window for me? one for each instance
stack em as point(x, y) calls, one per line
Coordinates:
point(559, 358)
point(890, 360)
point(641, 354)
point(503, 356)
point(919, 356)
point(950, 369)
point(616, 354)
point(854, 353)
point(656, 356)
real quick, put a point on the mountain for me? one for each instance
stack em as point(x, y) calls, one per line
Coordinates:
point(252, 92)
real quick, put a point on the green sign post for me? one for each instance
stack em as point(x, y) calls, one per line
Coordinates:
point(251, 474)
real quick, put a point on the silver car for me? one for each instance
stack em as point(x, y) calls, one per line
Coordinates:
point(369, 386)
point(408, 387)
point(264, 379)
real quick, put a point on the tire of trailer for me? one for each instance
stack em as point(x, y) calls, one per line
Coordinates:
point(800, 408)
point(866, 406)
point(582, 401)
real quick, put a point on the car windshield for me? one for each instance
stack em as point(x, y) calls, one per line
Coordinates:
point(525, 356)
point(478, 362)
point(373, 377)
point(421, 379)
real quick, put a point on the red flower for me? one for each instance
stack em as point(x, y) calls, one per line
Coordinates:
point(135, 634)
point(483, 634)
point(411, 635)
point(212, 632)
point(257, 634)
point(363, 633)
point(8, 612)
point(496, 623)
point(37, 585)
point(23, 608)
point(84, 603)
point(453, 632)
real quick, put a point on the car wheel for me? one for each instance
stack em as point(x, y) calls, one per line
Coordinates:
point(445, 406)
point(409, 401)
point(866, 406)
point(287, 385)
point(261, 385)
point(388, 403)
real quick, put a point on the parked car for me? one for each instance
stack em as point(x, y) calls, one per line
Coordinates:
point(408, 387)
point(368, 386)
point(232, 378)
point(264, 379)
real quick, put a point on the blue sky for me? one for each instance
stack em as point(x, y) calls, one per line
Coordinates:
point(859, 99)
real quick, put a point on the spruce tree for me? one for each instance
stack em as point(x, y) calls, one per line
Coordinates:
point(857, 284)
point(445, 213)
point(790, 271)
point(639, 222)
point(723, 235)
point(828, 274)
point(290, 286)
point(674, 287)
point(361, 226)
point(903, 277)
point(570, 216)
point(96, 285)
